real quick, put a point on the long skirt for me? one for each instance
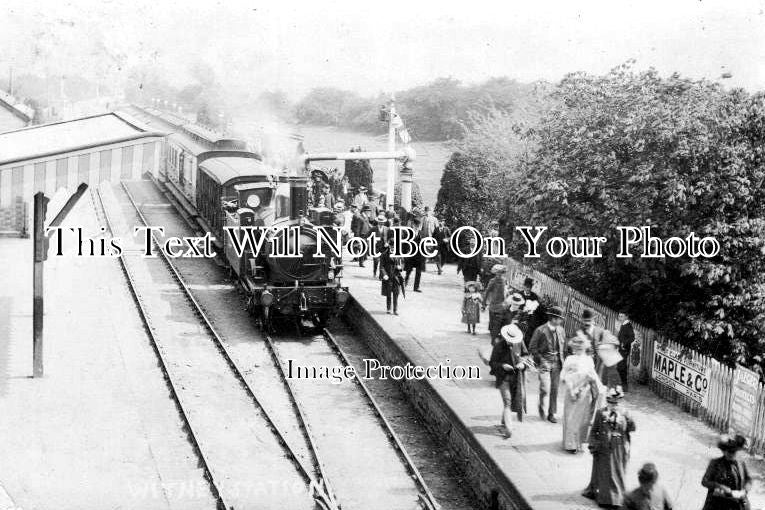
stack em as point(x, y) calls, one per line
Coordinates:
point(610, 466)
point(577, 416)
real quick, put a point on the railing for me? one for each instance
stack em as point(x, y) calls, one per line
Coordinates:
point(716, 408)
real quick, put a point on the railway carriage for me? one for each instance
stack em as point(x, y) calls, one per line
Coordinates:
point(222, 185)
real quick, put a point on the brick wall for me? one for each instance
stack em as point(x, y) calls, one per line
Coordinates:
point(489, 485)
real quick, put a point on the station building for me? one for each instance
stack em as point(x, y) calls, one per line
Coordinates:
point(101, 148)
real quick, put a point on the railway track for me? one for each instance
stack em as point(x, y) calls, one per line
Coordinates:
point(354, 446)
point(246, 460)
point(371, 433)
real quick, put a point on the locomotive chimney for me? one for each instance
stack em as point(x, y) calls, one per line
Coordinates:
point(298, 196)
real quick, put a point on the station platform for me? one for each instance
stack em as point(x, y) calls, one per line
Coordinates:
point(428, 331)
point(99, 429)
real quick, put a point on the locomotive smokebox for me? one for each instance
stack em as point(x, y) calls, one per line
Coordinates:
point(298, 196)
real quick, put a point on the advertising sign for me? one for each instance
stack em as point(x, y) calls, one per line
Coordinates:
point(743, 400)
point(683, 375)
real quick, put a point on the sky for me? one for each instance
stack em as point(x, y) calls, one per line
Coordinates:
point(373, 47)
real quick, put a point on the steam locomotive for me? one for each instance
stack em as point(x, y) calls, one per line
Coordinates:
point(221, 183)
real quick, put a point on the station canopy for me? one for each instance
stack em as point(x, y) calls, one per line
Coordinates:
point(74, 135)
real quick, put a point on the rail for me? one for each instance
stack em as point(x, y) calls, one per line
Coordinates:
point(427, 501)
point(319, 488)
point(132, 286)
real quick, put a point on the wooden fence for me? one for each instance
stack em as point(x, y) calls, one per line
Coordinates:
point(716, 409)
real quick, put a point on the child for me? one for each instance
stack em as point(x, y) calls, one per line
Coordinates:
point(471, 306)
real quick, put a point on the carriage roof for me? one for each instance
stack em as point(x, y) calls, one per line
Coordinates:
point(228, 170)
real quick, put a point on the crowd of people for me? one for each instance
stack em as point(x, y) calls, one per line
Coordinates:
point(527, 335)
point(590, 368)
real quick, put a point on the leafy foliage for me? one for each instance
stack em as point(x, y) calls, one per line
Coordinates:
point(679, 155)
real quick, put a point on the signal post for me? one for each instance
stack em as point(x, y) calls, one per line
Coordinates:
point(40, 241)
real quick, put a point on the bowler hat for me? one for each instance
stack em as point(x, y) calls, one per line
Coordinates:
point(728, 443)
point(555, 311)
point(586, 315)
point(528, 282)
point(366, 207)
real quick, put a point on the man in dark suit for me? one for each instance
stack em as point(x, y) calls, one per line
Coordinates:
point(381, 231)
point(626, 337)
point(363, 228)
point(548, 347)
point(442, 234)
point(416, 262)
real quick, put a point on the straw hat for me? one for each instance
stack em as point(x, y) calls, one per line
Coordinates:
point(515, 299)
point(555, 311)
point(512, 333)
point(614, 395)
point(498, 269)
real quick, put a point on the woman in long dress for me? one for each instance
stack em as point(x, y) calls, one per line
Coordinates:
point(727, 478)
point(582, 389)
point(609, 443)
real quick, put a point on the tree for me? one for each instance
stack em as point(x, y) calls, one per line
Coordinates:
point(482, 172)
point(679, 155)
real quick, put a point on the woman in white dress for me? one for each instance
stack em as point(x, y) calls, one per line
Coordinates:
point(583, 387)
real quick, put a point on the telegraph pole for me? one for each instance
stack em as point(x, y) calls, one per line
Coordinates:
point(391, 177)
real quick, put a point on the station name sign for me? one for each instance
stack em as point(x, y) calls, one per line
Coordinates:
point(683, 375)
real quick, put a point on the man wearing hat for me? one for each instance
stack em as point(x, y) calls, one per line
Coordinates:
point(443, 235)
point(548, 346)
point(429, 223)
point(381, 231)
point(509, 360)
point(593, 333)
point(361, 227)
point(727, 478)
point(416, 262)
point(361, 197)
point(494, 299)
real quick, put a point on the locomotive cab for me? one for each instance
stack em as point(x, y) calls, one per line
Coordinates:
point(300, 286)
